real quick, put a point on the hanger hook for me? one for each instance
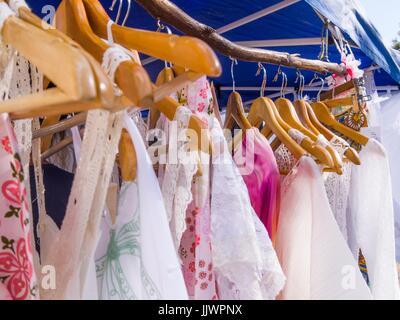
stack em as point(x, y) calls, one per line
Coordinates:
point(301, 81)
point(160, 28)
point(315, 78)
point(119, 9)
point(234, 62)
point(264, 82)
point(284, 80)
point(128, 11)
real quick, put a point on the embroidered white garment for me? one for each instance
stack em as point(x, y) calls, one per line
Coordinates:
point(371, 220)
point(313, 253)
point(338, 186)
point(284, 158)
point(178, 173)
point(71, 252)
point(136, 258)
point(390, 117)
point(245, 262)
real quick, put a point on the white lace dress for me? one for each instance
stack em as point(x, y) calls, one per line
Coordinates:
point(176, 172)
point(136, 258)
point(338, 186)
point(315, 257)
point(246, 265)
point(371, 220)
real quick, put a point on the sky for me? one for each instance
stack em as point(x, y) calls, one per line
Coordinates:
point(385, 15)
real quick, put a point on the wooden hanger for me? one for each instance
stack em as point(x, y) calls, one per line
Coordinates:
point(78, 86)
point(325, 116)
point(318, 152)
point(166, 75)
point(188, 52)
point(126, 159)
point(262, 110)
point(313, 122)
point(133, 80)
point(289, 115)
point(235, 113)
point(330, 94)
point(130, 77)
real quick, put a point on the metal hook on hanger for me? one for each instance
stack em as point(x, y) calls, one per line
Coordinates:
point(300, 79)
point(160, 28)
point(234, 62)
point(315, 78)
point(128, 11)
point(119, 9)
point(324, 53)
point(284, 80)
point(264, 83)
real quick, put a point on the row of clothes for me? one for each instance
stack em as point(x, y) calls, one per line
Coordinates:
point(234, 231)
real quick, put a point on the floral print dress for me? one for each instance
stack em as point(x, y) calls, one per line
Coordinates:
point(17, 276)
point(195, 249)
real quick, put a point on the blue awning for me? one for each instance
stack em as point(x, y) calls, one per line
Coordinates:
point(293, 22)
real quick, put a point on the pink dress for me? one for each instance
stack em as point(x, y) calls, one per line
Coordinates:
point(17, 276)
point(256, 162)
point(195, 248)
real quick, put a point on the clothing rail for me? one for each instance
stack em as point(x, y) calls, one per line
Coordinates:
point(171, 14)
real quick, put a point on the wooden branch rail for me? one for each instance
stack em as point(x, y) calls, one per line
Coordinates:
point(171, 14)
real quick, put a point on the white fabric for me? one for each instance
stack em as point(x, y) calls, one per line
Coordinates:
point(77, 142)
point(285, 159)
point(245, 263)
point(71, 251)
point(390, 117)
point(178, 173)
point(340, 145)
point(314, 255)
point(15, 5)
point(5, 13)
point(337, 189)
point(136, 258)
point(296, 135)
point(372, 220)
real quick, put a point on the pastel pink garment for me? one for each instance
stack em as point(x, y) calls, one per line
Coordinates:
point(17, 275)
point(195, 249)
point(256, 162)
point(195, 253)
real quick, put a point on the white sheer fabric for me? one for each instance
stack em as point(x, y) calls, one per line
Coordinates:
point(71, 251)
point(338, 187)
point(177, 175)
point(136, 258)
point(245, 262)
point(390, 116)
point(313, 253)
point(372, 220)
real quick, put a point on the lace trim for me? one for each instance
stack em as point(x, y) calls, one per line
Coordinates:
point(322, 141)
point(340, 145)
point(113, 57)
point(81, 225)
point(296, 135)
point(15, 5)
point(242, 264)
point(5, 13)
point(177, 182)
point(285, 159)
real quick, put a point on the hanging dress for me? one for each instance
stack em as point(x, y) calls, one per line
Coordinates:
point(371, 220)
point(17, 266)
point(314, 255)
point(17, 274)
point(257, 165)
point(136, 258)
point(245, 262)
